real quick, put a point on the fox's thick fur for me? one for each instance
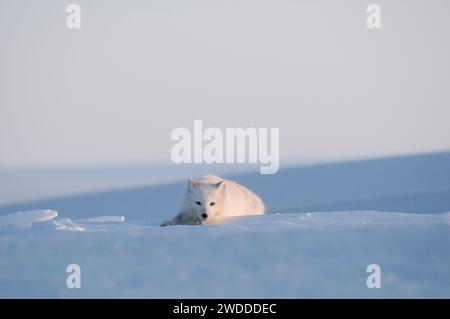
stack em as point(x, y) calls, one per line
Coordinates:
point(209, 199)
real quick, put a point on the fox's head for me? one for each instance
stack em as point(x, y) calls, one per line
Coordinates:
point(205, 199)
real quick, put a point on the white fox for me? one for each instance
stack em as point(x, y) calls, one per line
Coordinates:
point(209, 199)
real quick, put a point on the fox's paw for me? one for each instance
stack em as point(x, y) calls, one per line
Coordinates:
point(166, 223)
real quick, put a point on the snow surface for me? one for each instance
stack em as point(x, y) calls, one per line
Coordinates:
point(275, 255)
point(26, 219)
point(326, 224)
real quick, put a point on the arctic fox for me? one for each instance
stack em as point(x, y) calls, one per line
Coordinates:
point(211, 198)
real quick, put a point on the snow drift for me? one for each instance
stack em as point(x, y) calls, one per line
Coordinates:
point(327, 224)
point(279, 255)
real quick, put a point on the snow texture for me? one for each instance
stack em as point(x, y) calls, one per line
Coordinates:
point(325, 225)
point(278, 255)
point(26, 219)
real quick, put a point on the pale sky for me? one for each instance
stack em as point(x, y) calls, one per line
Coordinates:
point(113, 91)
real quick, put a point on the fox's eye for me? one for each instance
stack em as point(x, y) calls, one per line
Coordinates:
point(198, 203)
point(212, 203)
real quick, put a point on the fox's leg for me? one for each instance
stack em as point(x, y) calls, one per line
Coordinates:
point(170, 222)
point(167, 223)
point(181, 219)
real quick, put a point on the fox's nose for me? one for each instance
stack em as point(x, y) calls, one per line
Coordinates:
point(204, 215)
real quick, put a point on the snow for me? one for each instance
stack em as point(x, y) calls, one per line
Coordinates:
point(103, 219)
point(325, 225)
point(26, 219)
point(412, 184)
point(275, 255)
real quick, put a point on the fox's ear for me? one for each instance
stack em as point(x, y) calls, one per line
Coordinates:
point(192, 184)
point(219, 185)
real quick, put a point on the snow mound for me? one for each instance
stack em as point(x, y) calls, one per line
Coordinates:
point(103, 219)
point(90, 224)
point(26, 219)
point(305, 255)
point(47, 221)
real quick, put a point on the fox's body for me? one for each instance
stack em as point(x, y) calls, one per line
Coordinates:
point(208, 200)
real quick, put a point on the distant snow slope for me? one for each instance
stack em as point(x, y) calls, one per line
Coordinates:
point(277, 255)
point(415, 184)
